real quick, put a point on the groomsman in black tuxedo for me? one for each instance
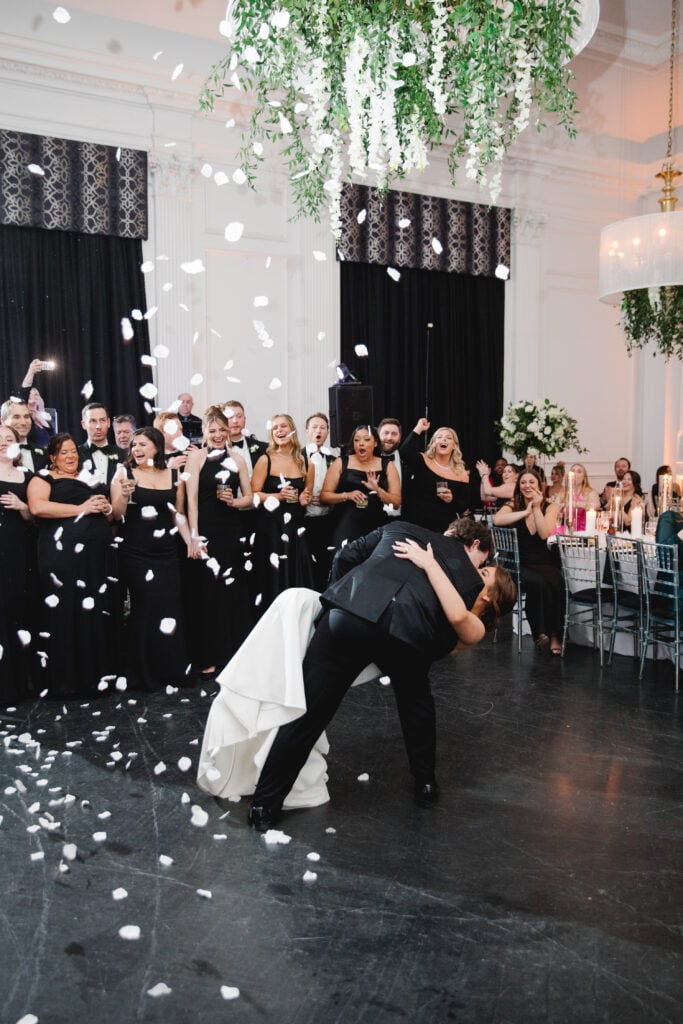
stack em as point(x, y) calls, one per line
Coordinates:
point(99, 457)
point(16, 414)
point(390, 435)
point(248, 446)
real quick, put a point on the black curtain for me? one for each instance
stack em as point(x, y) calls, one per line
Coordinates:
point(465, 385)
point(63, 296)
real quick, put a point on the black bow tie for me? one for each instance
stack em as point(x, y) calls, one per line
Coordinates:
point(106, 449)
point(27, 446)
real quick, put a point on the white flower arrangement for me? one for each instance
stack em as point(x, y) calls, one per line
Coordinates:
point(538, 428)
point(349, 87)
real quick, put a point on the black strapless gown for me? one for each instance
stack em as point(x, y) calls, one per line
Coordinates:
point(283, 557)
point(349, 521)
point(422, 506)
point(155, 644)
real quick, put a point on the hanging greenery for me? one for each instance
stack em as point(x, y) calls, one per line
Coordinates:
point(368, 87)
point(654, 316)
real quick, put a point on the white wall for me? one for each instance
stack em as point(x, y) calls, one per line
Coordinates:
point(561, 342)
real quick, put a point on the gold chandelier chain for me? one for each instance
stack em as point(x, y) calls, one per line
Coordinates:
point(672, 62)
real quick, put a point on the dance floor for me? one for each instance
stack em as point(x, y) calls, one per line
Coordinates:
point(544, 887)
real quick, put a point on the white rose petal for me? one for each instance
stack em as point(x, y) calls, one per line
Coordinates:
point(131, 932)
point(199, 816)
point(167, 626)
point(275, 384)
point(119, 894)
point(61, 15)
point(177, 70)
point(228, 992)
point(185, 763)
point(309, 876)
point(193, 267)
point(234, 231)
point(160, 989)
point(364, 777)
point(239, 177)
point(394, 274)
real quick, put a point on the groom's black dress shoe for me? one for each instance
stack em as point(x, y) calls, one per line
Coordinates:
point(261, 818)
point(427, 793)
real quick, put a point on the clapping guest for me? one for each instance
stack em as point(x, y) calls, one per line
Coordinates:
point(18, 608)
point(149, 499)
point(358, 485)
point(76, 568)
point(284, 487)
point(534, 519)
point(436, 483)
point(217, 488)
point(497, 494)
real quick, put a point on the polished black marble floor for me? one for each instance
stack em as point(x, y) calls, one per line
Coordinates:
point(545, 887)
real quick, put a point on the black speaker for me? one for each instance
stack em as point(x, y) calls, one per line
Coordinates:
point(350, 405)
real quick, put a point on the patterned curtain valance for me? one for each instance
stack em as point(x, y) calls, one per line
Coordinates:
point(404, 229)
point(84, 187)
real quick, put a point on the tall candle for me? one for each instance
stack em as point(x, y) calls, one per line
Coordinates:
point(570, 501)
point(590, 521)
point(637, 522)
point(617, 508)
point(665, 492)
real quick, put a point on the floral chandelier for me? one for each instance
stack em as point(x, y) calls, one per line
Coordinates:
point(366, 88)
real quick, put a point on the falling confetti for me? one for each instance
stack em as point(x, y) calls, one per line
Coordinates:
point(185, 763)
point(274, 836)
point(119, 894)
point(239, 177)
point(228, 992)
point(221, 178)
point(167, 626)
point(193, 267)
point(177, 70)
point(206, 171)
point(362, 214)
point(234, 231)
point(37, 170)
point(205, 893)
point(319, 255)
point(61, 15)
point(131, 932)
point(437, 246)
point(165, 860)
point(275, 384)
point(309, 876)
point(361, 350)
point(364, 777)
point(199, 816)
point(87, 390)
point(394, 274)
point(313, 856)
point(160, 989)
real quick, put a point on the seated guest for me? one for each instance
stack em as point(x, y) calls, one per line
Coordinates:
point(148, 500)
point(217, 488)
point(99, 457)
point(402, 616)
point(555, 489)
point(18, 593)
point(358, 485)
point(177, 448)
point(670, 531)
point(124, 425)
point(655, 493)
point(317, 519)
point(436, 487)
point(633, 497)
point(284, 487)
point(17, 415)
point(497, 495)
point(534, 519)
point(621, 466)
point(248, 446)
point(76, 564)
point(584, 496)
point(192, 425)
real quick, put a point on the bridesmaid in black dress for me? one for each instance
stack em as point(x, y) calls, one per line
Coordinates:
point(217, 489)
point(76, 566)
point(358, 486)
point(284, 487)
point(149, 499)
point(436, 483)
point(18, 607)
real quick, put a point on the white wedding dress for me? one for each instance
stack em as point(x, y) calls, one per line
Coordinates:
point(262, 688)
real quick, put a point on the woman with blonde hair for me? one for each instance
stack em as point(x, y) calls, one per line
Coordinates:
point(583, 495)
point(283, 487)
point(436, 483)
point(555, 489)
point(217, 489)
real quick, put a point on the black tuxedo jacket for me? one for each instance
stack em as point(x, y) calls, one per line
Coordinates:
point(368, 580)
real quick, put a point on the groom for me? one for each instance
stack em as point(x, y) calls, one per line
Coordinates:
point(382, 609)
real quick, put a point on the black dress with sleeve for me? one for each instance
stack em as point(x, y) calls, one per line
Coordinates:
point(349, 520)
point(150, 557)
point(77, 571)
point(422, 506)
point(18, 598)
